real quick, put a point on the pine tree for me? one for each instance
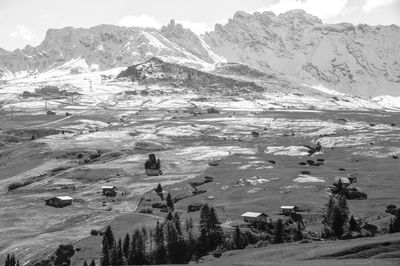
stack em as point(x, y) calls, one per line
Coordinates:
point(298, 234)
point(85, 263)
point(339, 187)
point(329, 212)
point(191, 243)
point(177, 222)
point(160, 252)
point(105, 258)
point(189, 225)
point(120, 253)
point(33, 137)
point(169, 216)
point(216, 234)
point(344, 209)
point(92, 263)
point(204, 241)
point(125, 247)
point(159, 188)
point(278, 232)
point(109, 236)
point(114, 255)
point(172, 240)
point(237, 238)
point(170, 203)
point(353, 226)
point(337, 222)
point(140, 256)
point(394, 225)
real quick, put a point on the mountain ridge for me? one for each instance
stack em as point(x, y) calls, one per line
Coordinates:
point(355, 59)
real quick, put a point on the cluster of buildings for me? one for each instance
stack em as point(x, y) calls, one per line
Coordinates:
point(63, 201)
point(49, 91)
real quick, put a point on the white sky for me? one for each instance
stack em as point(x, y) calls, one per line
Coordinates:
point(25, 22)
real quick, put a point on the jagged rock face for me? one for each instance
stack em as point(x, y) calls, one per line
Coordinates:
point(105, 45)
point(186, 39)
point(361, 60)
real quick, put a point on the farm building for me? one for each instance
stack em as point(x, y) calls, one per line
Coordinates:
point(48, 90)
point(287, 210)
point(109, 190)
point(60, 201)
point(250, 217)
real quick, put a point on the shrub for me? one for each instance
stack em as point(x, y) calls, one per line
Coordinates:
point(15, 185)
point(94, 232)
point(147, 211)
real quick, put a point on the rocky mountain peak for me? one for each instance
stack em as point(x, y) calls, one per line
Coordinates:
point(299, 16)
point(185, 38)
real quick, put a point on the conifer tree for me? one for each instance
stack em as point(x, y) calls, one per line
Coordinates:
point(177, 222)
point(329, 212)
point(125, 247)
point(172, 240)
point(216, 234)
point(159, 188)
point(191, 243)
point(169, 216)
point(237, 238)
point(160, 252)
point(114, 255)
point(344, 209)
point(85, 263)
point(353, 226)
point(394, 225)
point(278, 232)
point(337, 222)
point(298, 234)
point(105, 258)
point(92, 263)
point(204, 229)
point(120, 253)
point(108, 234)
point(170, 203)
point(140, 254)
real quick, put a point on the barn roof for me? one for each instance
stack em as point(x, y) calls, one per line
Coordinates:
point(288, 207)
point(253, 214)
point(108, 187)
point(64, 198)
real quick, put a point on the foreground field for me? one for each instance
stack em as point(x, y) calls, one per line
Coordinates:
point(113, 152)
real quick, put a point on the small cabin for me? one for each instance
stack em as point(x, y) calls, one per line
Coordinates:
point(60, 201)
point(288, 210)
point(251, 217)
point(51, 113)
point(109, 190)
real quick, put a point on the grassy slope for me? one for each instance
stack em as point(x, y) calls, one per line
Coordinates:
point(315, 253)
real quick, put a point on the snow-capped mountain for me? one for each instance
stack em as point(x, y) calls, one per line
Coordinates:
point(360, 60)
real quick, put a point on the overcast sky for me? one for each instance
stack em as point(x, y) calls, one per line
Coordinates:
point(25, 22)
